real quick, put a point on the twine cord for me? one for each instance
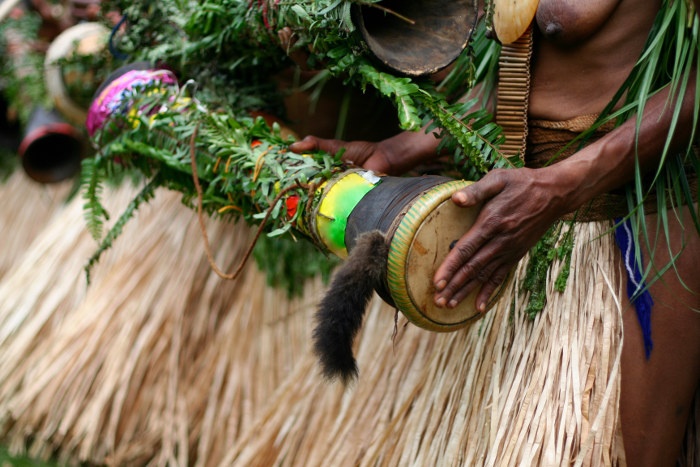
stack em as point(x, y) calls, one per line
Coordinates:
point(202, 224)
point(116, 53)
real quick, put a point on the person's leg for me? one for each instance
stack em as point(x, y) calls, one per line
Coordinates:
point(657, 393)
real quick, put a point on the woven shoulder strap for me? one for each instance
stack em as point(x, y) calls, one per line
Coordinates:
point(514, 93)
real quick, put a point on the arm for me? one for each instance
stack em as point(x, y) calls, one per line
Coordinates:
point(519, 205)
point(392, 156)
point(396, 155)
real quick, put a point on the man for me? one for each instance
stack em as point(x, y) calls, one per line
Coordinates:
point(582, 54)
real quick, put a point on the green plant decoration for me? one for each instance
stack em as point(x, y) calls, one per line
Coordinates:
point(232, 48)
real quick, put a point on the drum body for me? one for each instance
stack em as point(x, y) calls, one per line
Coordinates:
point(420, 223)
point(51, 149)
point(422, 239)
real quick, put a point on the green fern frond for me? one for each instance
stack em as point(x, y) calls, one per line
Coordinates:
point(146, 194)
point(478, 63)
point(476, 135)
point(555, 244)
point(91, 183)
point(402, 91)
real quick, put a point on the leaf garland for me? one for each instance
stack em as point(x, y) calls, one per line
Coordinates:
point(232, 45)
point(242, 163)
point(232, 48)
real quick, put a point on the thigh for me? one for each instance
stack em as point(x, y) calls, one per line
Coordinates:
point(657, 392)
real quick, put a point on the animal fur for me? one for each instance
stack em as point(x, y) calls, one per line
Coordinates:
point(340, 313)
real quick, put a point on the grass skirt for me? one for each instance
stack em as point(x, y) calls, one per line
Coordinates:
point(161, 362)
point(27, 208)
point(157, 361)
point(507, 391)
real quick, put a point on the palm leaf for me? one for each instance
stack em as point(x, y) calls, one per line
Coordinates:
point(669, 61)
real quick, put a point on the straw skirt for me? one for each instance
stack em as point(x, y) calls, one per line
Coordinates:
point(158, 360)
point(161, 362)
point(26, 209)
point(507, 391)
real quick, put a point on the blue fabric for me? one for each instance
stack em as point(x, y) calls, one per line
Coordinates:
point(637, 290)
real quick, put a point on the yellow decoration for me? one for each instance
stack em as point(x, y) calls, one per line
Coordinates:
point(339, 199)
point(511, 18)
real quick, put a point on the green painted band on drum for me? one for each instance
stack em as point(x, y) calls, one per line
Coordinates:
point(339, 199)
point(399, 250)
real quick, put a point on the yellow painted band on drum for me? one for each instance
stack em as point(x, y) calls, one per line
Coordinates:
point(338, 202)
point(398, 252)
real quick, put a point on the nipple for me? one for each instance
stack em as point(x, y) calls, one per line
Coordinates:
point(552, 29)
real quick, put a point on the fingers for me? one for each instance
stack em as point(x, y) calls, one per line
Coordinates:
point(476, 274)
point(465, 268)
point(482, 231)
point(481, 191)
point(287, 40)
point(475, 261)
point(356, 153)
point(286, 37)
point(312, 143)
point(483, 299)
point(308, 144)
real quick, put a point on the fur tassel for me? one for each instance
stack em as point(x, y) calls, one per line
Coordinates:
point(341, 311)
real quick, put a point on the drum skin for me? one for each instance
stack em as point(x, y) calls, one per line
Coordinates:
point(421, 241)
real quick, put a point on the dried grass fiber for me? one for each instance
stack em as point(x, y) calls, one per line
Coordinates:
point(26, 210)
point(508, 391)
point(160, 362)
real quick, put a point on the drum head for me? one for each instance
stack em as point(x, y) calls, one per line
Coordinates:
point(421, 242)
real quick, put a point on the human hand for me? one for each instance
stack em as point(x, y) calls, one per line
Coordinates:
point(370, 156)
point(518, 206)
point(288, 39)
point(392, 156)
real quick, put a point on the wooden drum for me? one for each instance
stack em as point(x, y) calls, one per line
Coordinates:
point(416, 37)
point(419, 222)
point(421, 241)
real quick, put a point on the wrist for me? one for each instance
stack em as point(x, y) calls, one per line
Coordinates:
point(594, 170)
point(573, 184)
point(406, 150)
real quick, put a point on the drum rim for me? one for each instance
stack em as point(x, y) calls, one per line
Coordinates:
point(397, 258)
point(391, 61)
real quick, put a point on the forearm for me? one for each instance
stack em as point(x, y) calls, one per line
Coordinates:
point(610, 162)
point(409, 149)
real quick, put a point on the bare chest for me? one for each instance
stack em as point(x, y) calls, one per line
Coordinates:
point(572, 21)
